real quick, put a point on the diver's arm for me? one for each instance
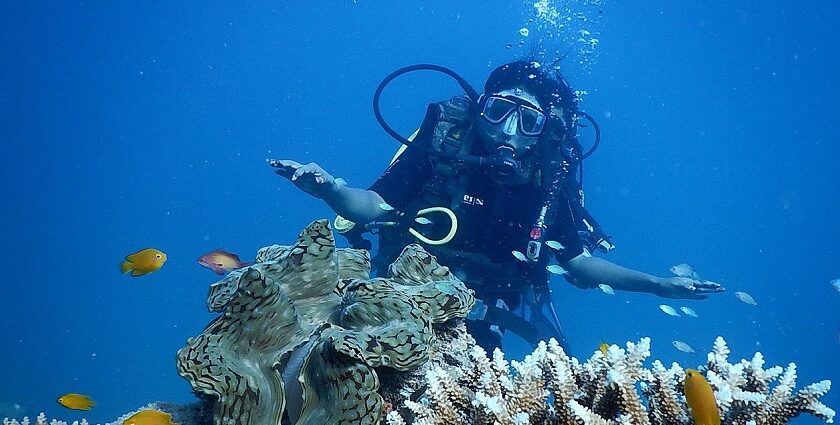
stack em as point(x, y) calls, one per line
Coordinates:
point(586, 271)
point(356, 205)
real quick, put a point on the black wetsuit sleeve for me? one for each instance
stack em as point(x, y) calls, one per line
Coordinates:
point(403, 180)
point(564, 231)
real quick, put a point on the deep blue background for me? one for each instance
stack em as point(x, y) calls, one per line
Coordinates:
point(142, 124)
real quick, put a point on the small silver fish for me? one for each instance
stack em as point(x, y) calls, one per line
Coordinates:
point(836, 284)
point(688, 311)
point(519, 256)
point(340, 181)
point(385, 207)
point(668, 310)
point(745, 298)
point(684, 270)
point(422, 220)
point(557, 246)
point(607, 289)
point(684, 347)
point(555, 269)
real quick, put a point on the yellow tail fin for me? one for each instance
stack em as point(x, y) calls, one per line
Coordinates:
point(125, 266)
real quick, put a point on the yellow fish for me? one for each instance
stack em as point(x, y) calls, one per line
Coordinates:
point(143, 262)
point(150, 417)
point(604, 347)
point(700, 398)
point(76, 401)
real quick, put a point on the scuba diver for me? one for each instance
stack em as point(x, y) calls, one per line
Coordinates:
point(491, 185)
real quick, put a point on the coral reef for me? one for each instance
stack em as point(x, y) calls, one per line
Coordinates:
point(191, 414)
point(305, 336)
point(549, 387)
point(41, 419)
point(303, 331)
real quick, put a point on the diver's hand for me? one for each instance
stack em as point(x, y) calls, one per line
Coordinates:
point(687, 288)
point(310, 178)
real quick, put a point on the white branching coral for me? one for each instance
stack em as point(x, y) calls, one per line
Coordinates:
point(745, 391)
point(41, 419)
point(549, 387)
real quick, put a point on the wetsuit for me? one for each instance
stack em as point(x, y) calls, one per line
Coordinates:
point(493, 221)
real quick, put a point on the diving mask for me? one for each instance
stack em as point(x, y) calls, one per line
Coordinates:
point(514, 114)
point(511, 123)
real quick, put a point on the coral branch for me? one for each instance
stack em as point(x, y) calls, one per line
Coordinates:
point(549, 387)
point(41, 419)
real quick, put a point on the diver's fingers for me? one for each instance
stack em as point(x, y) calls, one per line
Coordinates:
point(700, 294)
point(303, 169)
point(285, 168)
point(710, 287)
point(313, 169)
point(685, 282)
point(711, 290)
point(283, 163)
point(316, 174)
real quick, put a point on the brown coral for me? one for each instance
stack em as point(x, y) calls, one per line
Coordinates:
point(302, 331)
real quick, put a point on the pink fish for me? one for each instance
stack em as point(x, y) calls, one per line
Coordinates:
point(221, 261)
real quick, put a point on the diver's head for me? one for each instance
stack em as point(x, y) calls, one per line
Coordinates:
point(510, 117)
point(521, 102)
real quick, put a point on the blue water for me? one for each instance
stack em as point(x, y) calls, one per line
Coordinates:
point(124, 126)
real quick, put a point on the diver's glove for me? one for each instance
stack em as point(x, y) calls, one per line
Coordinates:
point(687, 288)
point(310, 178)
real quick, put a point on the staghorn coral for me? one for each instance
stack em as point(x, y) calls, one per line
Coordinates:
point(304, 332)
point(549, 387)
point(41, 419)
point(745, 390)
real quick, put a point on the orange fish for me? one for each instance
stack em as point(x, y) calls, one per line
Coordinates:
point(700, 398)
point(143, 262)
point(150, 417)
point(221, 261)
